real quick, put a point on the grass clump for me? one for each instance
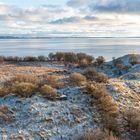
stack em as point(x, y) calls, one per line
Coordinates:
point(92, 75)
point(97, 134)
point(25, 78)
point(77, 79)
point(24, 89)
point(22, 85)
point(52, 80)
point(48, 92)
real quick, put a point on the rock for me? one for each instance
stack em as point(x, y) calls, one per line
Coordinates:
point(63, 97)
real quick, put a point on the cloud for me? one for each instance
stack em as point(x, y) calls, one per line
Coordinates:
point(74, 19)
point(90, 18)
point(77, 3)
point(116, 6)
point(78, 17)
point(66, 20)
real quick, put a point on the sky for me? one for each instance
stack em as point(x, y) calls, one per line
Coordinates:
point(72, 18)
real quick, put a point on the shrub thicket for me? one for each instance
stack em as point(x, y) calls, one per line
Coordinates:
point(93, 75)
point(107, 106)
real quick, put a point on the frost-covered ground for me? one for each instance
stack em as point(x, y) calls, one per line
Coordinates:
point(38, 118)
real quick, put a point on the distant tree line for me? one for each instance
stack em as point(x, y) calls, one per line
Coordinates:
point(67, 58)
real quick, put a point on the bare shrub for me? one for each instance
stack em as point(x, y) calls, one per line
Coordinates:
point(48, 91)
point(84, 59)
point(100, 60)
point(134, 59)
point(60, 56)
point(30, 58)
point(70, 57)
point(51, 56)
point(42, 58)
point(132, 117)
point(93, 75)
point(24, 89)
point(97, 134)
point(78, 79)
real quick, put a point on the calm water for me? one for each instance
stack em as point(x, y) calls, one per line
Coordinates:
point(108, 47)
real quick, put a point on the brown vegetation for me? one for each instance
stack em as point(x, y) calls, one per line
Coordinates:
point(97, 134)
point(48, 91)
point(100, 60)
point(107, 107)
point(24, 89)
point(6, 113)
point(132, 118)
point(52, 80)
point(93, 75)
point(78, 79)
point(134, 59)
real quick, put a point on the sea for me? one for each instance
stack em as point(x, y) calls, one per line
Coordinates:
point(107, 47)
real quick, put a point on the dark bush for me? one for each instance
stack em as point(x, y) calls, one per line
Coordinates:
point(30, 58)
point(42, 58)
point(132, 117)
point(100, 60)
point(70, 58)
point(84, 59)
point(134, 59)
point(93, 75)
point(59, 56)
point(51, 56)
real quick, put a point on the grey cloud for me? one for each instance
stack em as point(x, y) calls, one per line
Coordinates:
point(116, 6)
point(77, 3)
point(90, 18)
point(65, 20)
point(73, 20)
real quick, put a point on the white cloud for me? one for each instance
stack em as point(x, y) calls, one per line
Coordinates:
point(78, 17)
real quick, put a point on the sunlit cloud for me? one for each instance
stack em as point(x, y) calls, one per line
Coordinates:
point(74, 18)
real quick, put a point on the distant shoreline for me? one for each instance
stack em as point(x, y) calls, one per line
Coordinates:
point(14, 37)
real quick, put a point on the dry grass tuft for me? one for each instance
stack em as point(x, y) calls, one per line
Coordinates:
point(97, 134)
point(52, 80)
point(6, 113)
point(48, 91)
point(24, 89)
point(78, 79)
